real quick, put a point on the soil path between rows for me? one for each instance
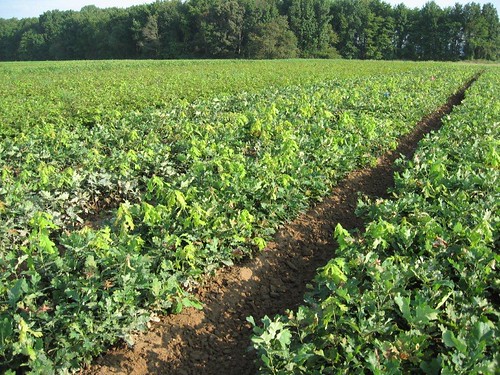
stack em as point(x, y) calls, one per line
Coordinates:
point(216, 340)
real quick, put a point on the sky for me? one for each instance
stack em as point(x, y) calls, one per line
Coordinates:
point(33, 8)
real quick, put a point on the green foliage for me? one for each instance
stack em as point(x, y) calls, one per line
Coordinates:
point(311, 20)
point(222, 29)
point(273, 40)
point(418, 291)
point(113, 204)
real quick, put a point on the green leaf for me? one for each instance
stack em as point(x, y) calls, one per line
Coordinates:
point(156, 287)
point(46, 245)
point(181, 200)
point(343, 237)
point(265, 359)
point(250, 319)
point(449, 338)
point(20, 287)
point(190, 302)
point(425, 314)
point(260, 243)
point(482, 331)
point(373, 362)
point(451, 341)
point(6, 331)
point(284, 338)
point(333, 271)
point(404, 306)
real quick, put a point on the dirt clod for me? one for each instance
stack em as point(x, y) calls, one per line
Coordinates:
point(246, 274)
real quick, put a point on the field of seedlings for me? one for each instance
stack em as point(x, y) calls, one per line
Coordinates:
point(123, 183)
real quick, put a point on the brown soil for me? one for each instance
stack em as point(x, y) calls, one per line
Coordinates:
point(216, 340)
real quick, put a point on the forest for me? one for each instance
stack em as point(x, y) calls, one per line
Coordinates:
point(257, 29)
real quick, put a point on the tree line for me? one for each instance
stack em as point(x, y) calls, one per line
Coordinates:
point(260, 29)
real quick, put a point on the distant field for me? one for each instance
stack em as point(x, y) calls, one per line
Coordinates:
point(97, 91)
point(122, 182)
